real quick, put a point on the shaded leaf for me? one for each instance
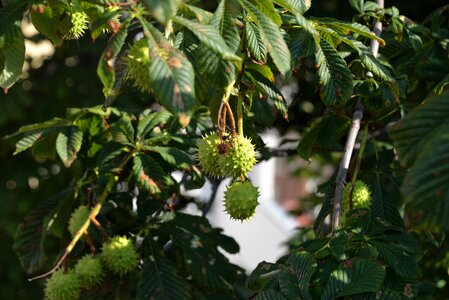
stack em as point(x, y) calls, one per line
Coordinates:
point(159, 279)
point(412, 134)
point(353, 277)
point(397, 258)
point(30, 234)
point(334, 74)
point(324, 135)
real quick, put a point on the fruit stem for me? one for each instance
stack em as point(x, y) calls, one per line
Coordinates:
point(240, 113)
point(231, 118)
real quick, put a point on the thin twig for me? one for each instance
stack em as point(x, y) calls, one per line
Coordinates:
point(81, 231)
point(352, 136)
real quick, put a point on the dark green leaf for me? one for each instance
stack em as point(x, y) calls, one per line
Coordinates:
point(159, 279)
point(334, 74)
point(397, 258)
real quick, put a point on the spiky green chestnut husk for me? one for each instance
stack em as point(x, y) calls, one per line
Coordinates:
point(79, 22)
point(89, 271)
point(208, 154)
point(241, 200)
point(77, 219)
point(137, 65)
point(119, 255)
point(62, 286)
point(361, 196)
point(240, 157)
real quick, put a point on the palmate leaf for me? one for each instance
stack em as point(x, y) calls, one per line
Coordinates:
point(171, 74)
point(271, 37)
point(162, 10)
point(30, 235)
point(210, 37)
point(334, 74)
point(159, 279)
point(353, 277)
point(68, 143)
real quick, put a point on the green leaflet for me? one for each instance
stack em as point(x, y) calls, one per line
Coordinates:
point(334, 74)
point(68, 143)
point(105, 69)
point(163, 11)
point(171, 75)
point(10, 35)
point(271, 37)
point(210, 37)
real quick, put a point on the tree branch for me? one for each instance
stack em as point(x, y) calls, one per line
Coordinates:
point(352, 136)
